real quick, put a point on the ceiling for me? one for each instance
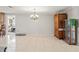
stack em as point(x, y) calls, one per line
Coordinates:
point(29, 9)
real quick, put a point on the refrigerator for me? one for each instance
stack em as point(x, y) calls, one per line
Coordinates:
point(71, 31)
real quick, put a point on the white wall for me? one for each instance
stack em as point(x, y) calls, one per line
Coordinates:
point(43, 26)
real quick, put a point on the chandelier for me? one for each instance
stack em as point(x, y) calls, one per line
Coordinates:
point(34, 16)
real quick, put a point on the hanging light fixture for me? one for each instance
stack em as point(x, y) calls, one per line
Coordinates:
point(34, 16)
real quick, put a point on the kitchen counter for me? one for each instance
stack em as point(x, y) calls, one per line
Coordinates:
point(11, 42)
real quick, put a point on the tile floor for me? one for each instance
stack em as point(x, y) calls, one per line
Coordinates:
point(43, 44)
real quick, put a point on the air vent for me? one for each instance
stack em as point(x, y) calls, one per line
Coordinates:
point(10, 6)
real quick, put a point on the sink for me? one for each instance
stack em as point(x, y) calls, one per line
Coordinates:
point(60, 29)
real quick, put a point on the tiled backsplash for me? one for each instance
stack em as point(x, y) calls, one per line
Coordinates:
point(2, 41)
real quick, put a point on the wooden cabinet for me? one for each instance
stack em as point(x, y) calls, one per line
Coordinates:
point(1, 19)
point(2, 26)
point(59, 25)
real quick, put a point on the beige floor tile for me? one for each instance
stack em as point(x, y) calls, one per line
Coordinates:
point(43, 44)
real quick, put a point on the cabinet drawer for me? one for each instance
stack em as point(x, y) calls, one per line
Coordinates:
point(61, 34)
